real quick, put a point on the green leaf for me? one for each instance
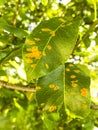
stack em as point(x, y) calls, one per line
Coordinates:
point(51, 120)
point(77, 91)
point(49, 46)
point(2, 2)
point(50, 90)
point(92, 1)
point(2, 72)
point(16, 31)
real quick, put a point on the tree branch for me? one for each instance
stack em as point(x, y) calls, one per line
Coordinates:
point(16, 87)
point(25, 89)
point(94, 107)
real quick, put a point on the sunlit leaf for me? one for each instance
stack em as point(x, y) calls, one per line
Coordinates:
point(92, 1)
point(77, 91)
point(44, 2)
point(49, 46)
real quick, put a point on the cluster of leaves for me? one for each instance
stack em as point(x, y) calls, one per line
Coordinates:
point(48, 55)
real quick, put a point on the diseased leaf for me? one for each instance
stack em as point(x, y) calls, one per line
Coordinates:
point(49, 46)
point(50, 90)
point(77, 91)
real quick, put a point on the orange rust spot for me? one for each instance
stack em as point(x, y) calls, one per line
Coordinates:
point(76, 71)
point(70, 65)
point(84, 92)
point(56, 88)
point(49, 47)
point(33, 65)
point(52, 33)
point(72, 76)
point(52, 108)
point(35, 53)
point(31, 42)
point(62, 20)
point(37, 39)
point(29, 55)
point(46, 29)
point(67, 69)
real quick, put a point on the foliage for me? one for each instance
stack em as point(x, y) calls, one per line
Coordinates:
point(51, 47)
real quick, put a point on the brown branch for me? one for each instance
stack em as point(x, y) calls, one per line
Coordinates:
point(16, 87)
point(94, 107)
point(25, 89)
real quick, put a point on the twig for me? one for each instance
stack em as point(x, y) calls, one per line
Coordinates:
point(16, 87)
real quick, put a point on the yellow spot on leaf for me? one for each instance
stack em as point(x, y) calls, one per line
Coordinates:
point(52, 108)
point(51, 86)
point(46, 29)
point(84, 105)
point(52, 33)
point(44, 54)
point(76, 71)
point(28, 60)
point(33, 65)
point(69, 24)
point(37, 39)
point(74, 85)
point(47, 66)
point(62, 20)
point(49, 47)
point(38, 87)
point(62, 25)
point(29, 49)
point(31, 42)
point(84, 92)
point(67, 69)
point(74, 81)
point(72, 76)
